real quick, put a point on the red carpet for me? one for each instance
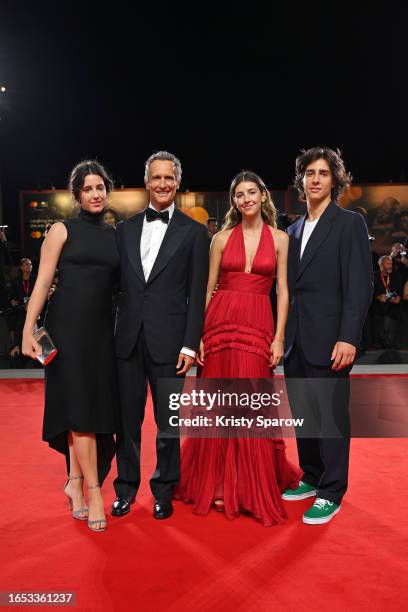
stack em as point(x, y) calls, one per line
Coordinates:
point(359, 561)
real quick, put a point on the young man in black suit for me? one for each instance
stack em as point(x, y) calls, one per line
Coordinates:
point(164, 274)
point(330, 282)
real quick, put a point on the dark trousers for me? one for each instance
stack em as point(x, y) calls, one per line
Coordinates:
point(386, 328)
point(134, 374)
point(323, 403)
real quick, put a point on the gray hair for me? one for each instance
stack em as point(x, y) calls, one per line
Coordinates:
point(163, 156)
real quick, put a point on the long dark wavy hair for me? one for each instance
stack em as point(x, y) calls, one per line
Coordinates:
point(341, 178)
point(268, 210)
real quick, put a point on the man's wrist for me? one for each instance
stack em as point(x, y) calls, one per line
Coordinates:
point(347, 342)
point(189, 352)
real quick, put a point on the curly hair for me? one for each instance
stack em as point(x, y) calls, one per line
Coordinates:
point(341, 178)
point(268, 210)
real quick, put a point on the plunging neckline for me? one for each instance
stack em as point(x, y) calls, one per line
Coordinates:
point(256, 251)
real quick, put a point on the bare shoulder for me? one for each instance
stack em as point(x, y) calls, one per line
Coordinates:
point(220, 239)
point(280, 237)
point(56, 234)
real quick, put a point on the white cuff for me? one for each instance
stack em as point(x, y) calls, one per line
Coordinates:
point(189, 352)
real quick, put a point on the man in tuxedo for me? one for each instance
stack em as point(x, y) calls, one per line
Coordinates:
point(164, 273)
point(330, 283)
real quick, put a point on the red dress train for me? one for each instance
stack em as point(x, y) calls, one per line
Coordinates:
point(249, 474)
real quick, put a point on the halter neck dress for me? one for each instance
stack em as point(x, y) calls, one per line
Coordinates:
point(249, 474)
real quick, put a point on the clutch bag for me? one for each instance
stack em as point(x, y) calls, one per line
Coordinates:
point(48, 350)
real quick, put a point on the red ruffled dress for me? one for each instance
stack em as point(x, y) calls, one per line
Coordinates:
point(249, 474)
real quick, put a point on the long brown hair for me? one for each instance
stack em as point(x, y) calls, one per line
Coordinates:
point(268, 209)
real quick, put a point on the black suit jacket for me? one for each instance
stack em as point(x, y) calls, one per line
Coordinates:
point(331, 287)
point(171, 304)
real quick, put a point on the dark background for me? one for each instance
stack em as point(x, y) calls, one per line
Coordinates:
point(225, 87)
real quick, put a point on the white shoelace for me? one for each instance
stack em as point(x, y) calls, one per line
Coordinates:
point(321, 503)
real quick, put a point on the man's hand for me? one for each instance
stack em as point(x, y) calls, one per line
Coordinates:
point(188, 362)
point(343, 355)
point(382, 298)
point(396, 299)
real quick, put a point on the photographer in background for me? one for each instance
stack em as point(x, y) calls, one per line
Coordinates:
point(387, 301)
point(20, 292)
point(400, 260)
point(23, 285)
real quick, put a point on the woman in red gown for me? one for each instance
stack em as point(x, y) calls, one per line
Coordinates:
point(242, 474)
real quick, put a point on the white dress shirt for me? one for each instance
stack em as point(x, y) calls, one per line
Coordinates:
point(152, 237)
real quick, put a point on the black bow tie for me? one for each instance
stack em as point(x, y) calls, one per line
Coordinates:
point(152, 215)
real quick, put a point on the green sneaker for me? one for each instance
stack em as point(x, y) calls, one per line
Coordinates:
point(321, 512)
point(301, 492)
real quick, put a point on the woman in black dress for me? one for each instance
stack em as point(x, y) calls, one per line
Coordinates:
point(81, 411)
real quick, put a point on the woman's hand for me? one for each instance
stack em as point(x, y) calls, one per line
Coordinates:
point(200, 354)
point(30, 346)
point(277, 351)
point(51, 290)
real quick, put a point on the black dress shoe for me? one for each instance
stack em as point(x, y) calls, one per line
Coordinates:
point(121, 505)
point(162, 509)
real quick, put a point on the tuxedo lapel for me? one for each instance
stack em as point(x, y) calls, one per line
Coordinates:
point(298, 233)
point(295, 232)
point(133, 245)
point(174, 236)
point(318, 235)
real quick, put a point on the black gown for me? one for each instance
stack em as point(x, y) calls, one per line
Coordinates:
point(80, 383)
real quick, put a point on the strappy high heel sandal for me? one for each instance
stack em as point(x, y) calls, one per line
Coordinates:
point(101, 521)
point(82, 513)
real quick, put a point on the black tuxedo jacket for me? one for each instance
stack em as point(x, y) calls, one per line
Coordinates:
point(171, 304)
point(331, 287)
